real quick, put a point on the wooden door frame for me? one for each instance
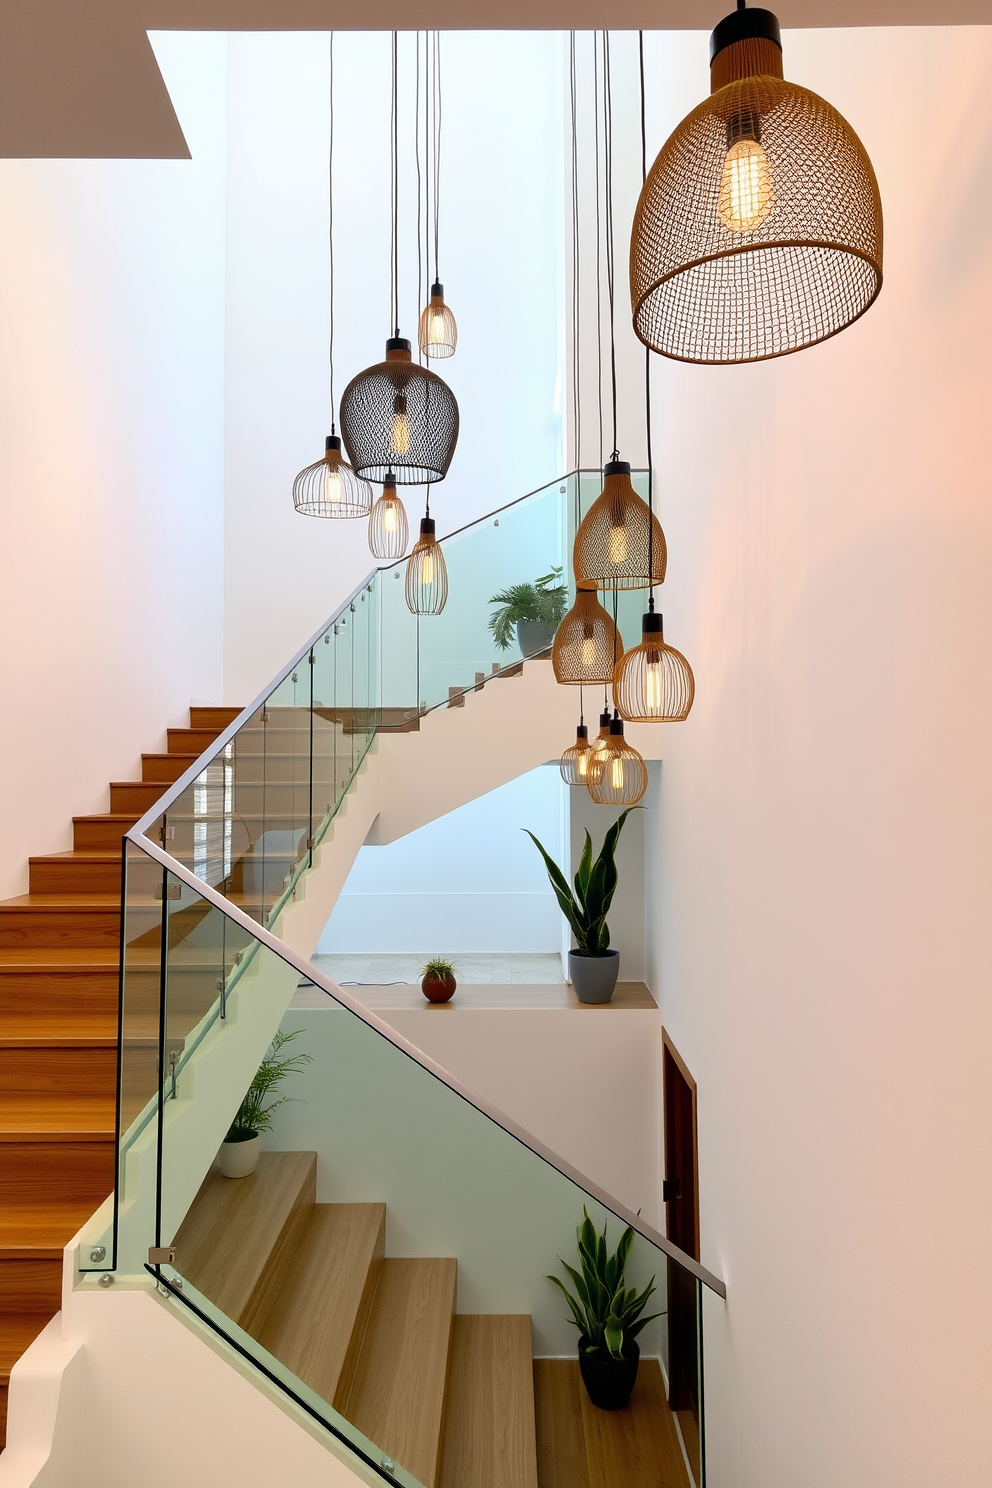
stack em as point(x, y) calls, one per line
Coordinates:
point(683, 1069)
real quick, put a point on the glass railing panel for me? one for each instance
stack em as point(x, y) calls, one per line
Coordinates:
point(398, 647)
point(141, 975)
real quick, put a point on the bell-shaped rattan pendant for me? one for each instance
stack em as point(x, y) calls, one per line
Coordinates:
point(399, 419)
point(389, 531)
point(759, 228)
point(653, 682)
point(330, 488)
point(586, 644)
point(438, 334)
point(617, 775)
point(611, 549)
point(574, 763)
point(426, 573)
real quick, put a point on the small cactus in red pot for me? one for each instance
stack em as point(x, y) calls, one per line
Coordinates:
point(438, 983)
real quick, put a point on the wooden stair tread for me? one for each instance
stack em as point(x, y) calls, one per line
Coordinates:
point(238, 1231)
point(489, 1431)
point(63, 900)
point(17, 1331)
point(54, 1029)
point(80, 855)
point(58, 958)
point(78, 1118)
point(579, 1446)
point(41, 1231)
point(325, 1296)
point(397, 1398)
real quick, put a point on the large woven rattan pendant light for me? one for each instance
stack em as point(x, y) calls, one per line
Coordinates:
point(617, 775)
point(759, 228)
point(585, 646)
point(574, 763)
point(389, 531)
point(329, 487)
point(437, 333)
point(398, 418)
point(426, 572)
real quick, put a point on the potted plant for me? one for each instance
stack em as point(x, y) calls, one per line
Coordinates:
point(238, 1156)
point(592, 967)
point(438, 983)
point(534, 611)
point(607, 1314)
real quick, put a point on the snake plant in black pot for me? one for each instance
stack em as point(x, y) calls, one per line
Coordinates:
point(607, 1314)
point(592, 967)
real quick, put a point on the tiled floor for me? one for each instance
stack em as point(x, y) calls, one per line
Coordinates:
point(472, 970)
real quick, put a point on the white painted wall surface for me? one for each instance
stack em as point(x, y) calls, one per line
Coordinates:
point(500, 262)
point(111, 460)
point(822, 882)
point(470, 881)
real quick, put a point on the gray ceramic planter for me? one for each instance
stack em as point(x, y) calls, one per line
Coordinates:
point(534, 636)
point(594, 977)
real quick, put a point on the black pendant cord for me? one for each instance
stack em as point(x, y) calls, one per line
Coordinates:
point(610, 275)
point(420, 203)
point(395, 193)
point(599, 234)
point(616, 634)
point(437, 154)
point(647, 352)
point(582, 711)
point(576, 282)
point(330, 224)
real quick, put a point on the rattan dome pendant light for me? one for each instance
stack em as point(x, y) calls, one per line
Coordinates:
point(759, 228)
point(653, 682)
point(574, 763)
point(426, 573)
point(437, 332)
point(389, 531)
point(586, 643)
point(619, 544)
point(329, 487)
point(617, 775)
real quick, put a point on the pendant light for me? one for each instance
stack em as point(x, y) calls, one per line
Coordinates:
point(330, 487)
point(574, 763)
point(759, 229)
point(426, 572)
point(389, 531)
point(586, 644)
point(437, 333)
point(398, 418)
point(617, 775)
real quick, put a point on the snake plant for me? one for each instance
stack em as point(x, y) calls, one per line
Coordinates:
point(606, 1313)
point(595, 885)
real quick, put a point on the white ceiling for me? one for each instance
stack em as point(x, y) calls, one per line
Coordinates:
point(78, 77)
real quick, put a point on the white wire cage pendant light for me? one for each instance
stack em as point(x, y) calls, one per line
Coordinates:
point(426, 573)
point(389, 530)
point(437, 333)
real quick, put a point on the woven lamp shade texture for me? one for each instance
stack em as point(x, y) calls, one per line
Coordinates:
point(314, 495)
point(437, 333)
point(702, 292)
point(653, 683)
point(389, 530)
point(400, 418)
point(574, 763)
point(426, 574)
point(586, 643)
point(617, 775)
point(611, 546)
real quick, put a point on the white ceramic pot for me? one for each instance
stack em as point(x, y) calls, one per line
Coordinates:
point(238, 1159)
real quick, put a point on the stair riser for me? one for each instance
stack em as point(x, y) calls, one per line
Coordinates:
point(30, 1285)
point(191, 740)
point(132, 796)
point(68, 877)
point(41, 928)
point(94, 835)
point(212, 718)
point(70, 1172)
point(163, 769)
point(41, 1071)
point(73, 992)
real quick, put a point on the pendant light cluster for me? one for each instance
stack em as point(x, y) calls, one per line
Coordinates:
point(399, 420)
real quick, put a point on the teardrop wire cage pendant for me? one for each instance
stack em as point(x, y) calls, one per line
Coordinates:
point(389, 530)
point(758, 231)
point(574, 763)
point(330, 488)
point(619, 540)
point(438, 334)
point(653, 682)
point(426, 573)
point(617, 775)
point(586, 643)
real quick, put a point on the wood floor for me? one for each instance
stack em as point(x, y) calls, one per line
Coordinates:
point(59, 948)
point(579, 1446)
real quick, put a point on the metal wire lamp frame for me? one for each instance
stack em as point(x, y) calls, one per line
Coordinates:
point(389, 530)
point(426, 573)
point(574, 763)
point(586, 643)
point(617, 774)
point(653, 682)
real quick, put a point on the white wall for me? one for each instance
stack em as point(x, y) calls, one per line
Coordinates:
point(823, 879)
point(111, 461)
point(470, 881)
point(500, 262)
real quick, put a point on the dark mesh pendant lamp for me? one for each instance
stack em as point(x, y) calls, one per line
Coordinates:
point(759, 228)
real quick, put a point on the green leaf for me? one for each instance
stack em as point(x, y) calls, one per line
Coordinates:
point(633, 1331)
point(584, 870)
point(613, 1334)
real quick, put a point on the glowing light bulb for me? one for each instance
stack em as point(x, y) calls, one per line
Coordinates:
point(389, 523)
point(584, 764)
point(653, 680)
point(435, 329)
point(588, 653)
point(427, 568)
point(332, 485)
point(746, 194)
point(400, 435)
point(616, 773)
point(618, 545)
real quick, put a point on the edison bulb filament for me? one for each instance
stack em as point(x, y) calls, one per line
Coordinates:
point(427, 569)
point(389, 517)
point(400, 435)
point(746, 194)
point(332, 486)
point(616, 773)
point(618, 545)
point(653, 680)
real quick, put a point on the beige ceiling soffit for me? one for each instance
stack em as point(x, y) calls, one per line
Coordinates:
point(79, 80)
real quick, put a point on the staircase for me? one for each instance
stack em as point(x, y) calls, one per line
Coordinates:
point(59, 950)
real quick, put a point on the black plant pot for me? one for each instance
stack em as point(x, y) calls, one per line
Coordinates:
point(609, 1382)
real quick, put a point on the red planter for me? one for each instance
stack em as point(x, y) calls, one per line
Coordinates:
point(438, 989)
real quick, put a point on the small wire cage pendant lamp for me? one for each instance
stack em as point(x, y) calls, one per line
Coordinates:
point(619, 544)
point(617, 775)
point(389, 530)
point(438, 333)
point(426, 573)
point(586, 643)
point(759, 228)
point(574, 763)
point(330, 488)
point(653, 682)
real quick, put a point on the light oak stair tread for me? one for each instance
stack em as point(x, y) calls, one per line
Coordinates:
point(239, 1231)
point(397, 1399)
point(489, 1432)
point(53, 1029)
point(80, 855)
point(63, 900)
point(58, 958)
point(580, 1446)
point(76, 1118)
point(326, 1294)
